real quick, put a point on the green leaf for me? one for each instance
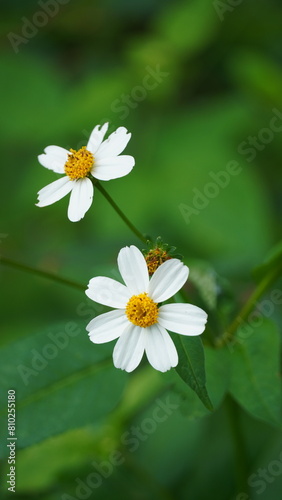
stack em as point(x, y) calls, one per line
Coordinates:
point(272, 262)
point(38, 466)
point(191, 366)
point(217, 363)
point(255, 378)
point(62, 381)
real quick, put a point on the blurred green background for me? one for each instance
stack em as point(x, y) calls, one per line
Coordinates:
point(215, 78)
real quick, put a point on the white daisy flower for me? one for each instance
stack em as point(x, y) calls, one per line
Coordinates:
point(101, 160)
point(139, 322)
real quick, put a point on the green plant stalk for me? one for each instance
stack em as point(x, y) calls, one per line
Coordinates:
point(119, 212)
point(41, 273)
point(65, 281)
point(259, 291)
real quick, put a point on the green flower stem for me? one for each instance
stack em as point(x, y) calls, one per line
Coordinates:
point(240, 453)
point(259, 291)
point(42, 274)
point(119, 212)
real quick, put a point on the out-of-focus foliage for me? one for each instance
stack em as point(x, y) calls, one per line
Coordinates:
point(198, 83)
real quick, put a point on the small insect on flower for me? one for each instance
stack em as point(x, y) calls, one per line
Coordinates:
point(101, 160)
point(139, 322)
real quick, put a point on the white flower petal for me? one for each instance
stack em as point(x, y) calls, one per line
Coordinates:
point(112, 168)
point(185, 319)
point(57, 151)
point(54, 191)
point(160, 349)
point(108, 292)
point(81, 199)
point(129, 348)
point(54, 158)
point(106, 327)
point(115, 144)
point(96, 138)
point(133, 269)
point(167, 280)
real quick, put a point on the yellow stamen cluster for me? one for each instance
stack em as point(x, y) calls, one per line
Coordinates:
point(155, 258)
point(141, 310)
point(79, 163)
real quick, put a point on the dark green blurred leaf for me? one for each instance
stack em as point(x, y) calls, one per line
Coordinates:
point(217, 365)
point(191, 366)
point(61, 381)
point(39, 465)
point(255, 378)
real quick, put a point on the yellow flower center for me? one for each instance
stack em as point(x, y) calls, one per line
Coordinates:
point(79, 163)
point(141, 310)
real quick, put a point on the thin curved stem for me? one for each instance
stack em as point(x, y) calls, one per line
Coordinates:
point(242, 316)
point(41, 273)
point(120, 212)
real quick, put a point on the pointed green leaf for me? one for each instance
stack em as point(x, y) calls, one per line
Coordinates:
point(191, 366)
point(61, 380)
point(217, 363)
point(255, 377)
